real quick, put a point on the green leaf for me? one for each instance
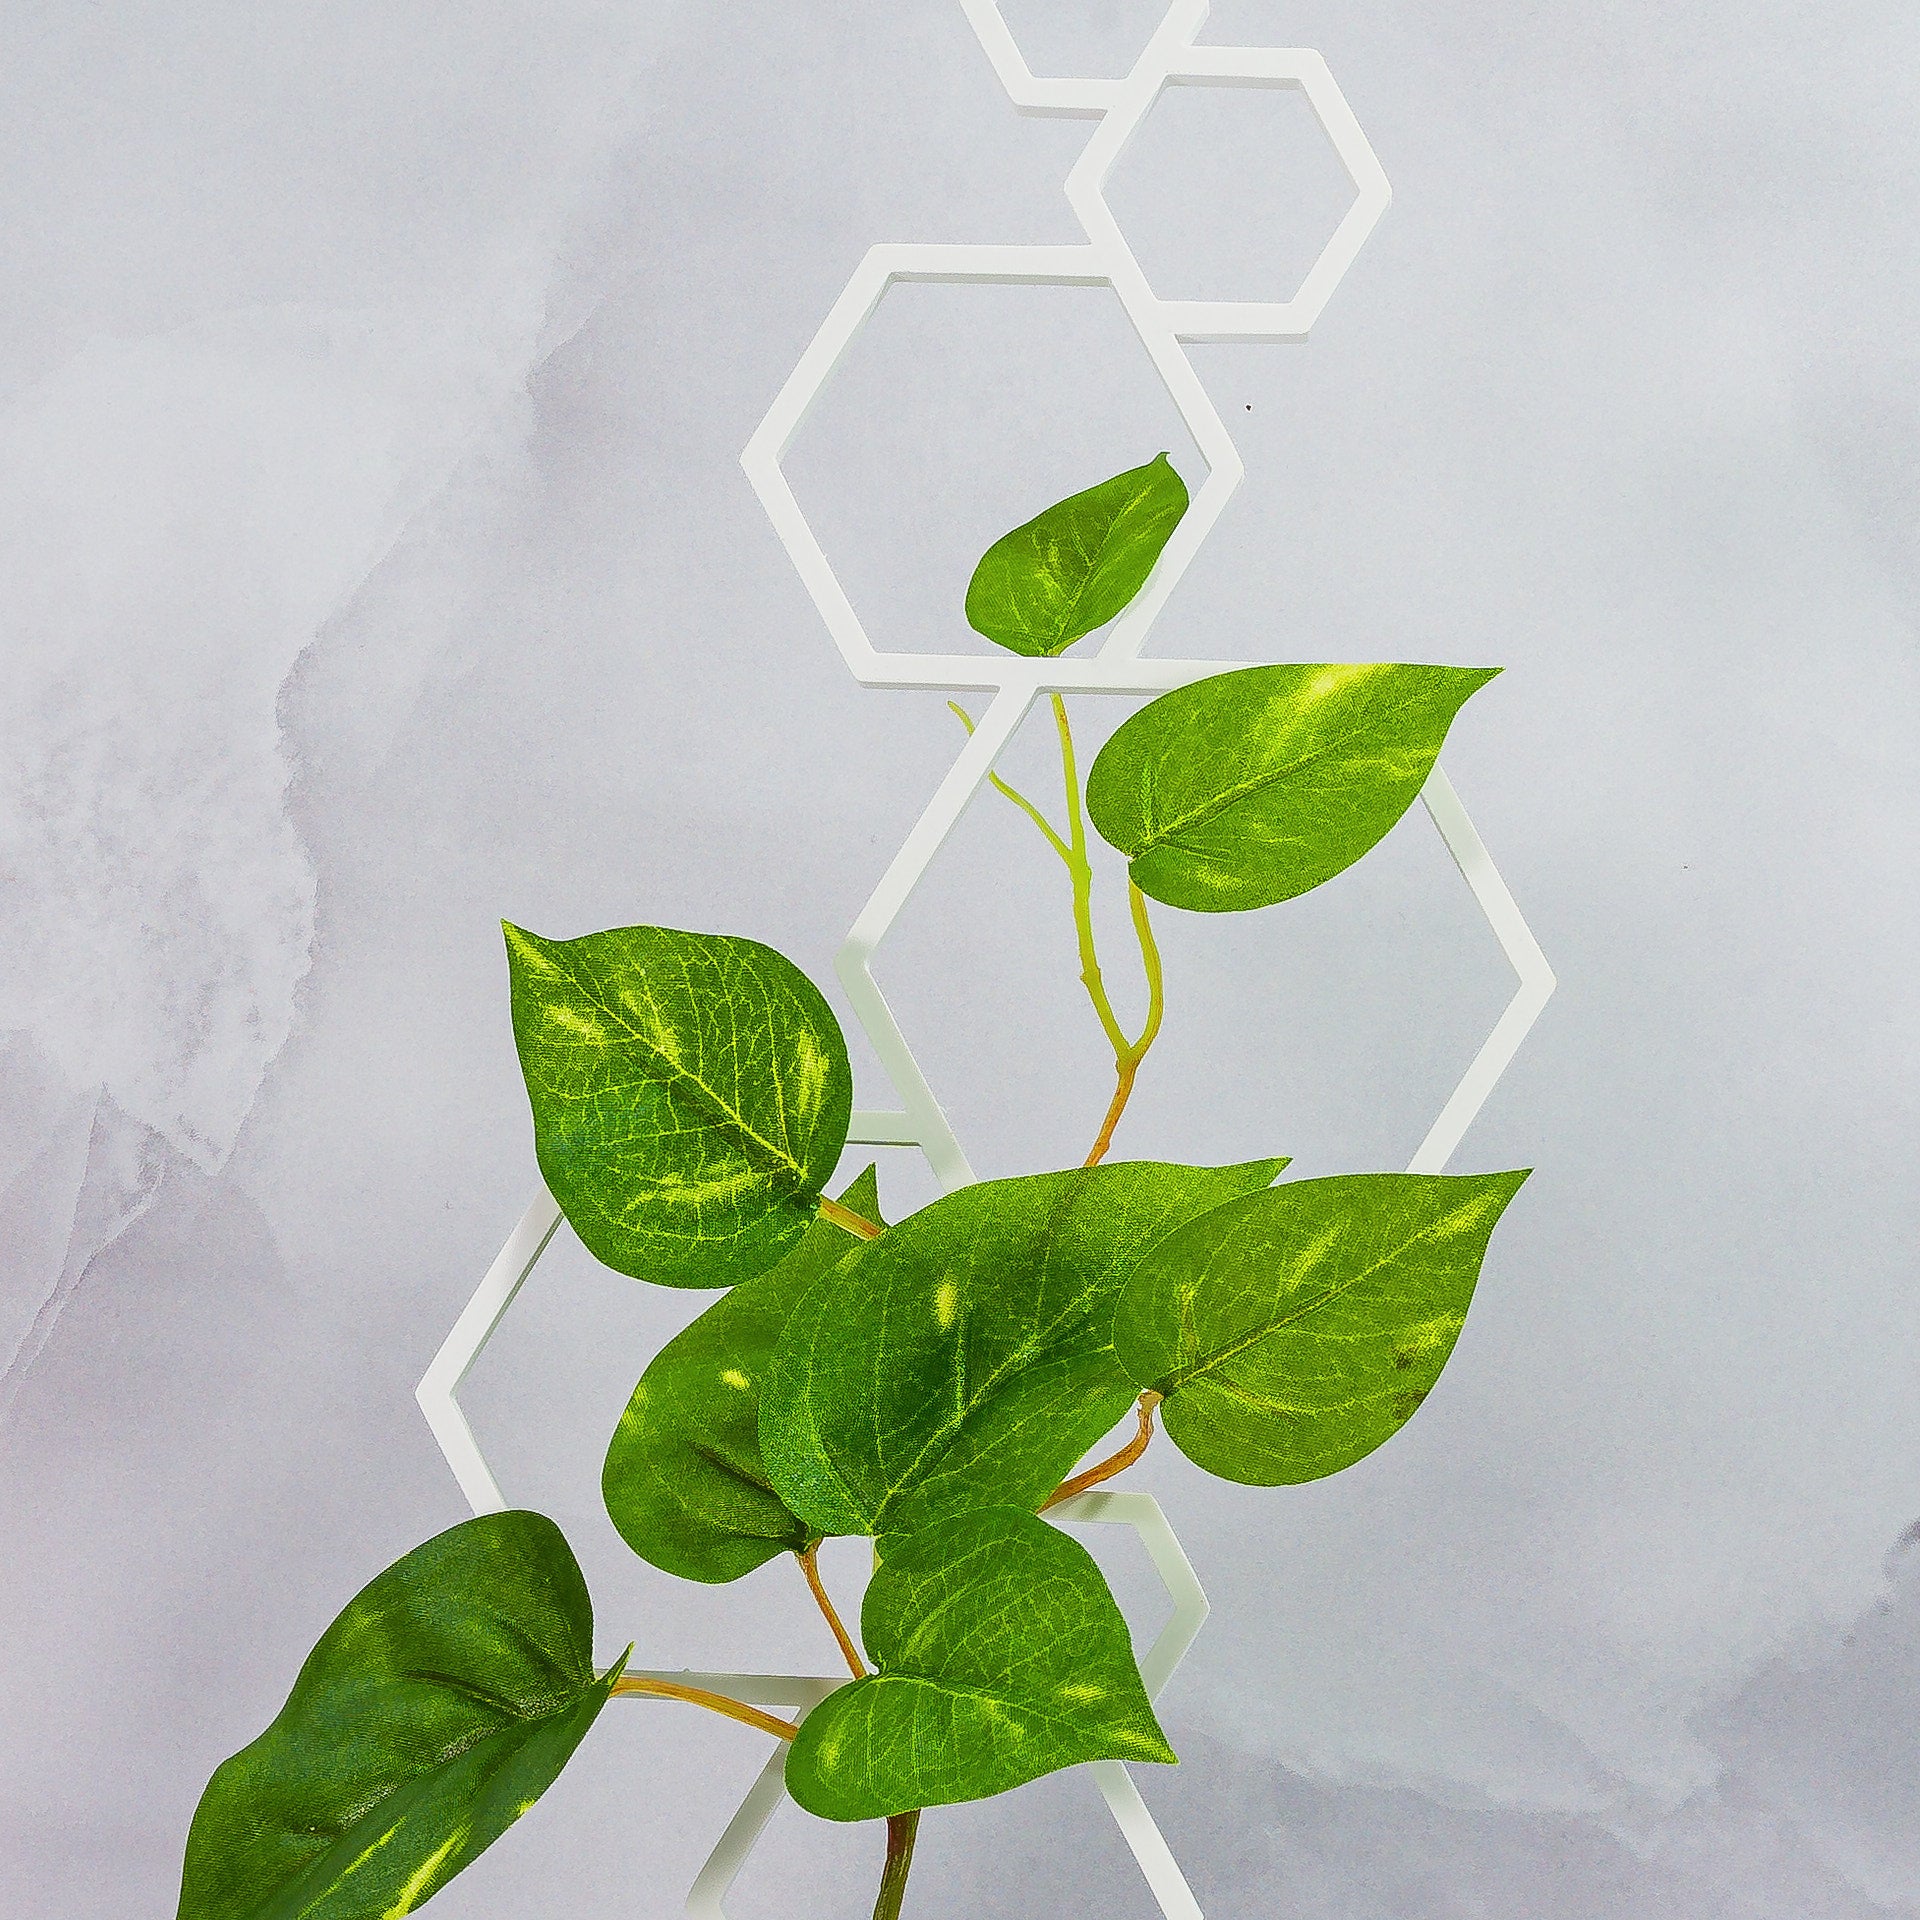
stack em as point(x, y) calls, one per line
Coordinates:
point(1001, 1656)
point(684, 1481)
point(433, 1713)
point(691, 1096)
point(1251, 787)
point(965, 1358)
point(1041, 587)
point(1294, 1331)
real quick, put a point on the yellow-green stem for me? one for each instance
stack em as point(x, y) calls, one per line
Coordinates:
point(1072, 849)
point(1014, 794)
point(1126, 1065)
point(1082, 871)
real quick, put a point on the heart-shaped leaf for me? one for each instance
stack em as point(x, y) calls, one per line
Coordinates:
point(433, 1713)
point(965, 1358)
point(1251, 787)
point(684, 1481)
point(1041, 587)
point(1001, 1656)
point(691, 1096)
point(1294, 1331)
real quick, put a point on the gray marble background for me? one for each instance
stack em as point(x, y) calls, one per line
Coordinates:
point(375, 562)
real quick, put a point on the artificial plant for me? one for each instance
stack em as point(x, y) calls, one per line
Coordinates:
point(934, 1384)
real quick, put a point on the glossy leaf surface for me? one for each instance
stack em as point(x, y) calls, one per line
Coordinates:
point(1000, 1656)
point(434, 1712)
point(966, 1357)
point(1071, 569)
point(1294, 1331)
point(691, 1096)
point(684, 1481)
point(1252, 787)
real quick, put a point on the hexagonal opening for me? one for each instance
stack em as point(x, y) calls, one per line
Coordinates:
point(1229, 192)
point(1082, 39)
point(958, 412)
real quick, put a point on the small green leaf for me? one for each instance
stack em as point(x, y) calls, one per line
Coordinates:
point(691, 1096)
point(965, 1358)
point(1073, 568)
point(1294, 1331)
point(1001, 1656)
point(433, 1713)
point(1251, 787)
point(684, 1481)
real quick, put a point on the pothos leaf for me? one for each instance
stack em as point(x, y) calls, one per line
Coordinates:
point(1294, 1331)
point(691, 1096)
point(1254, 786)
point(435, 1711)
point(965, 1358)
point(684, 1481)
point(1001, 1656)
point(1071, 569)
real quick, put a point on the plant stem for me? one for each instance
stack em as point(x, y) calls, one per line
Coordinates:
point(713, 1702)
point(1127, 1054)
point(1082, 870)
point(1127, 1064)
point(810, 1566)
point(1114, 1463)
point(901, 1829)
point(1125, 1071)
point(856, 1224)
point(1018, 798)
point(1150, 963)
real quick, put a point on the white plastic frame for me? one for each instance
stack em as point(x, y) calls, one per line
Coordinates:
point(1172, 58)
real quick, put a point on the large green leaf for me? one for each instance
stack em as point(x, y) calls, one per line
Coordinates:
point(1074, 567)
point(691, 1096)
point(1293, 1331)
point(1001, 1656)
point(433, 1713)
point(1254, 786)
point(684, 1481)
point(965, 1358)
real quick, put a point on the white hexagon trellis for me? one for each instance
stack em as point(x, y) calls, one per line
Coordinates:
point(1172, 58)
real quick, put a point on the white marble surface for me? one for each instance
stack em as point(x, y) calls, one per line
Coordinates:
point(374, 562)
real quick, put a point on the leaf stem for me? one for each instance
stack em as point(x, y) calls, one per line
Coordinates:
point(1082, 870)
point(1018, 798)
point(1114, 1463)
point(1127, 1054)
point(901, 1831)
point(1127, 1065)
point(810, 1566)
point(1150, 962)
point(1125, 1072)
point(856, 1224)
point(713, 1702)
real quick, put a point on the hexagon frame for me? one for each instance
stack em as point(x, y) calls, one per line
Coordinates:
point(1070, 266)
point(1171, 58)
point(1294, 68)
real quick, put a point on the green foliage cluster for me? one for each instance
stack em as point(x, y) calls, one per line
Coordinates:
point(931, 1385)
